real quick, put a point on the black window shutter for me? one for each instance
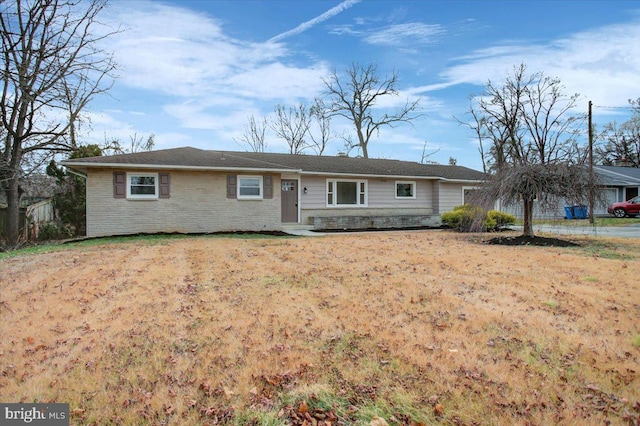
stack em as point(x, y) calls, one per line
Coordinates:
point(268, 186)
point(232, 186)
point(119, 185)
point(164, 186)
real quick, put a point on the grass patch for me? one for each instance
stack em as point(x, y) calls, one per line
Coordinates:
point(144, 239)
point(31, 250)
point(618, 249)
point(636, 341)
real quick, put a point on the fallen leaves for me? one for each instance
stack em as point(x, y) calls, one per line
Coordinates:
point(304, 416)
point(595, 399)
point(210, 338)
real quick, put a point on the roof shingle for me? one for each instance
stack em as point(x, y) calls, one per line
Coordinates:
point(189, 157)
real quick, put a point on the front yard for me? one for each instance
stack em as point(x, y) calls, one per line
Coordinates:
point(415, 328)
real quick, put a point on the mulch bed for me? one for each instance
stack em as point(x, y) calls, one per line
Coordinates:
point(523, 240)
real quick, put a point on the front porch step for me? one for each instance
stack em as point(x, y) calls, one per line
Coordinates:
point(296, 227)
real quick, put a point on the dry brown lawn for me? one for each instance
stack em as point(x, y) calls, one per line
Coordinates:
point(416, 328)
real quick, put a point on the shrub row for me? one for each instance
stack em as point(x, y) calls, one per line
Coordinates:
point(468, 218)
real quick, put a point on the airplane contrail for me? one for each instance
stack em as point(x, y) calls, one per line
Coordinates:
point(318, 19)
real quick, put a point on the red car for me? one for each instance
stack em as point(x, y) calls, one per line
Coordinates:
point(626, 208)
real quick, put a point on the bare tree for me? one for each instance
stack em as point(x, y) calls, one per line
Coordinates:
point(292, 124)
point(533, 152)
point(322, 117)
point(52, 67)
point(137, 143)
point(482, 132)
point(254, 135)
point(426, 155)
point(621, 143)
point(357, 95)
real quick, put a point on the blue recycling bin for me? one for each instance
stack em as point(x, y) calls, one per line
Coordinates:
point(568, 212)
point(580, 212)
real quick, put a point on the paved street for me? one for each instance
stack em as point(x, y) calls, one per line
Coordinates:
point(631, 231)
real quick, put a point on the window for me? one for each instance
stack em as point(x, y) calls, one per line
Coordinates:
point(142, 186)
point(405, 189)
point(288, 186)
point(346, 192)
point(249, 187)
point(469, 195)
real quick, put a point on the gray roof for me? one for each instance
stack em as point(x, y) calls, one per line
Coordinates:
point(618, 176)
point(193, 158)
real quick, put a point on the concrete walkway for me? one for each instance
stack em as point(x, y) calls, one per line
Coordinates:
point(630, 231)
point(303, 232)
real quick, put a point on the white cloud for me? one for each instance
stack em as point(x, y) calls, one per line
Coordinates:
point(166, 140)
point(404, 35)
point(181, 53)
point(602, 64)
point(184, 59)
point(204, 116)
point(278, 81)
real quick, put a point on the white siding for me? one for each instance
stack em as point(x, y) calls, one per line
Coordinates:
point(381, 193)
point(197, 203)
point(316, 190)
point(450, 196)
point(381, 199)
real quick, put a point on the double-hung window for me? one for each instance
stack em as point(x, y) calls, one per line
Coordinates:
point(250, 187)
point(405, 189)
point(347, 193)
point(142, 186)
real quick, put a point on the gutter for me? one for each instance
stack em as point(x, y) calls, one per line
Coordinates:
point(169, 167)
point(391, 176)
point(73, 172)
point(258, 170)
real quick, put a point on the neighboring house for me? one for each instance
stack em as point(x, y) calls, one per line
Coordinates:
point(616, 184)
point(190, 190)
point(33, 213)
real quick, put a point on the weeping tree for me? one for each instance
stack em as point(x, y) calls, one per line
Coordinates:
point(52, 66)
point(528, 132)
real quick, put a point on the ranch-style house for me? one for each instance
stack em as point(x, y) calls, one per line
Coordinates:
point(190, 190)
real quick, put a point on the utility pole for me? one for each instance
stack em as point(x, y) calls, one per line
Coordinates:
point(591, 177)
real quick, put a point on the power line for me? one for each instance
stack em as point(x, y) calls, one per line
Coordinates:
point(628, 108)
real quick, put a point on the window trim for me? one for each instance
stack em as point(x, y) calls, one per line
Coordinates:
point(413, 192)
point(153, 196)
point(334, 184)
point(468, 188)
point(250, 197)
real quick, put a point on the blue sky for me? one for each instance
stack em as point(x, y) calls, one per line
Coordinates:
point(192, 72)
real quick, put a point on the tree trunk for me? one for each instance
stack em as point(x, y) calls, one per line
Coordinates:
point(13, 211)
point(365, 152)
point(527, 215)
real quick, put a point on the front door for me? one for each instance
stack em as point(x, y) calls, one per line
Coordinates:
point(289, 200)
